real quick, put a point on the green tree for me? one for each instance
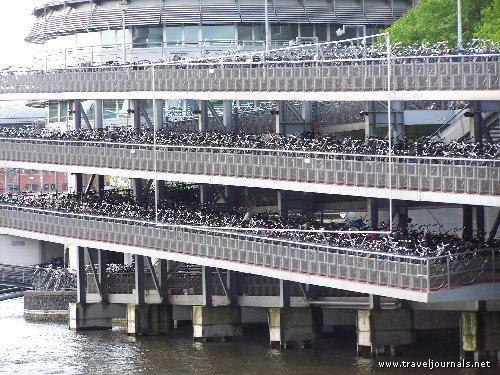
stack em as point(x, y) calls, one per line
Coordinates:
point(489, 27)
point(436, 20)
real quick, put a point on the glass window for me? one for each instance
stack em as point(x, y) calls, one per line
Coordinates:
point(64, 110)
point(108, 37)
point(191, 34)
point(284, 32)
point(53, 112)
point(260, 32)
point(321, 31)
point(147, 36)
point(174, 34)
point(109, 109)
point(244, 32)
point(219, 32)
point(88, 39)
point(307, 30)
point(123, 107)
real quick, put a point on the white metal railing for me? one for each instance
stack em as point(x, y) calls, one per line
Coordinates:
point(392, 270)
point(439, 174)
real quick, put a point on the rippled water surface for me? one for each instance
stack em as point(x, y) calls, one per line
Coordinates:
point(50, 348)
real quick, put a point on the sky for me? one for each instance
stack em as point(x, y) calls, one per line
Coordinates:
point(15, 22)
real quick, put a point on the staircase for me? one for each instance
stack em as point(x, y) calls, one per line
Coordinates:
point(460, 126)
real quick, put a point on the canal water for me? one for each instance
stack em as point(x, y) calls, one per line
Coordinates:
point(50, 348)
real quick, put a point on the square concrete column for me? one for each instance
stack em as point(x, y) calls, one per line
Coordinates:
point(139, 288)
point(372, 210)
point(135, 109)
point(136, 186)
point(279, 117)
point(307, 115)
point(473, 220)
point(282, 203)
point(75, 182)
point(227, 115)
point(98, 114)
point(370, 121)
point(205, 196)
point(81, 277)
point(77, 113)
point(216, 322)
point(149, 319)
point(158, 120)
point(202, 116)
point(289, 326)
point(383, 330)
point(476, 130)
point(398, 119)
point(480, 335)
point(90, 316)
point(100, 182)
point(400, 214)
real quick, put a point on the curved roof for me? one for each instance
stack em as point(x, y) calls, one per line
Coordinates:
point(62, 17)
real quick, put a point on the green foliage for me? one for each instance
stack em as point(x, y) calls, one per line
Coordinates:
point(434, 21)
point(489, 28)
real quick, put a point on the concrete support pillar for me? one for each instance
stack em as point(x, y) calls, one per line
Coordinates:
point(136, 113)
point(372, 210)
point(158, 120)
point(128, 259)
point(98, 114)
point(150, 319)
point(75, 182)
point(285, 293)
point(81, 277)
point(216, 322)
point(370, 120)
point(478, 218)
point(476, 129)
point(480, 335)
point(227, 115)
point(282, 203)
point(384, 330)
point(202, 116)
point(100, 182)
point(205, 196)
point(307, 115)
point(90, 316)
point(400, 214)
point(374, 302)
point(467, 223)
point(139, 279)
point(102, 261)
point(77, 113)
point(279, 117)
point(230, 194)
point(290, 326)
point(473, 221)
point(232, 287)
point(398, 120)
point(136, 186)
point(207, 285)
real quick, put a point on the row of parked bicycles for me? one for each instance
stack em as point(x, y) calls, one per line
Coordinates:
point(423, 241)
point(427, 146)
